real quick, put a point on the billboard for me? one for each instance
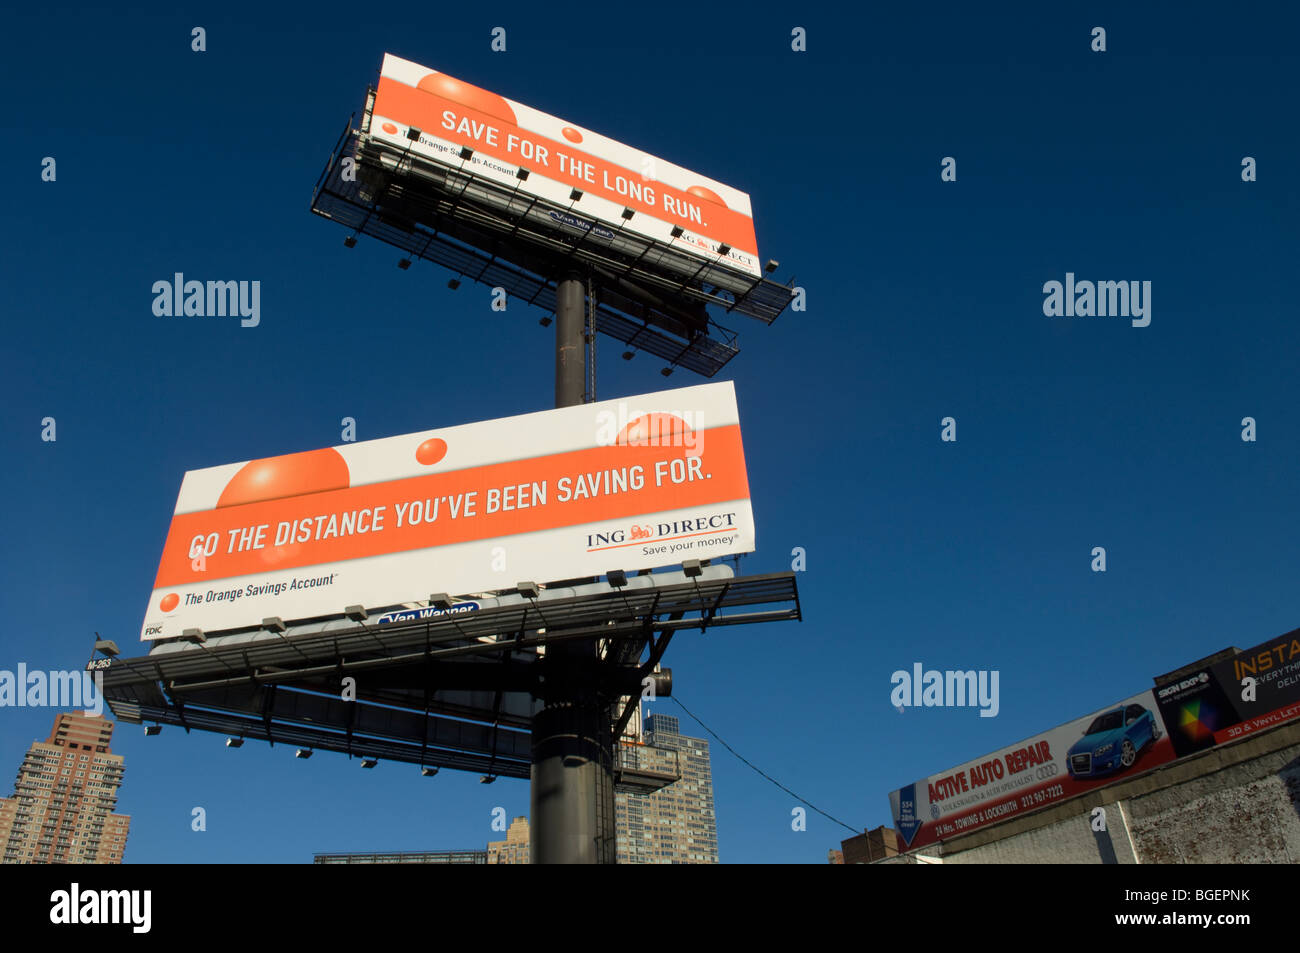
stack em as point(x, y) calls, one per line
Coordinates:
point(1108, 745)
point(624, 484)
point(1263, 684)
point(560, 156)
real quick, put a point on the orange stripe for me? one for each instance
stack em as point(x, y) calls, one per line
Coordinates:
point(423, 110)
point(723, 460)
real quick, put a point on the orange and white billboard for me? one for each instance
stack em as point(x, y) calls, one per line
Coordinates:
point(625, 484)
point(560, 156)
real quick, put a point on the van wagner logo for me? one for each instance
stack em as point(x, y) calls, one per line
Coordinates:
point(1084, 299)
point(76, 906)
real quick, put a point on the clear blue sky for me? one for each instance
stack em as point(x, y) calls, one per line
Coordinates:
point(924, 301)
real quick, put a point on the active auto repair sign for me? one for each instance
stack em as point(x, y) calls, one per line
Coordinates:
point(623, 484)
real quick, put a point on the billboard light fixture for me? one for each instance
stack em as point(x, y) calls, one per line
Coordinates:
point(724, 248)
point(575, 195)
point(107, 647)
point(369, 762)
point(677, 231)
point(350, 242)
point(617, 578)
point(194, 635)
point(545, 322)
point(522, 174)
point(487, 779)
point(466, 153)
point(234, 742)
point(667, 372)
point(692, 568)
point(627, 214)
point(529, 590)
point(428, 771)
point(440, 600)
point(412, 133)
point(303, 753)
point(628, 355)
point(152, 730)
point(404, 264)
point(772, 265)
point(453, 284)
point(356, 613)
point(273, 624)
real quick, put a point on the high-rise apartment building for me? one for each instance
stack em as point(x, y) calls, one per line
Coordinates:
point(676, 824)
point(66, 790)
point(514, 849)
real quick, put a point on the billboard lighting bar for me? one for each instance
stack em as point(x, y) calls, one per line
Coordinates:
point(356, 613)
point(369, 762)
point(350, 242)
point(152, 730)
point(234, 742)
point(303, 753)
point(440, 600)
point(428, 771)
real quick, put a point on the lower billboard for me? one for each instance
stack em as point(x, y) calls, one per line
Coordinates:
point(625, 484)
point(1088, 753)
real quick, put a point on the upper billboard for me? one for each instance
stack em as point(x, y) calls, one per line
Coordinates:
point(621, 484)
point(1087, 753)
point(444, 115)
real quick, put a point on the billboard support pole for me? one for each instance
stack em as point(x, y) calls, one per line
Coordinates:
point(572, 786)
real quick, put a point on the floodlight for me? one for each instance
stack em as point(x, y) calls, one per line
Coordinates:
point(302, 753)
point(529, 590)
point(440, 600)
point(356, 613)
point(667, 372)
point(107, 646)
point(466, 153)
point(412, 133)
point(273, 624)
point(152, 730)
point(545, 322)
point(428, 771)
point(724, 248)
point(628, 355)
point(404, 264)
point(523, 175)
point(617, 578)
point(772, 265)
point(575, 195)
point(627, 214)
point(350, 242)
point(194, 635)
point(677, 231)
point(487, 779)
point(369, 762)
point(234, 742)
point(453, 284)
point(691, 567)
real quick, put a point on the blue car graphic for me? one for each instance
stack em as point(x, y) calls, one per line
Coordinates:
point(1112, 742)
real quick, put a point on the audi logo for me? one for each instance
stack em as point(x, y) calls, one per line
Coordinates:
point(1046, 771)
